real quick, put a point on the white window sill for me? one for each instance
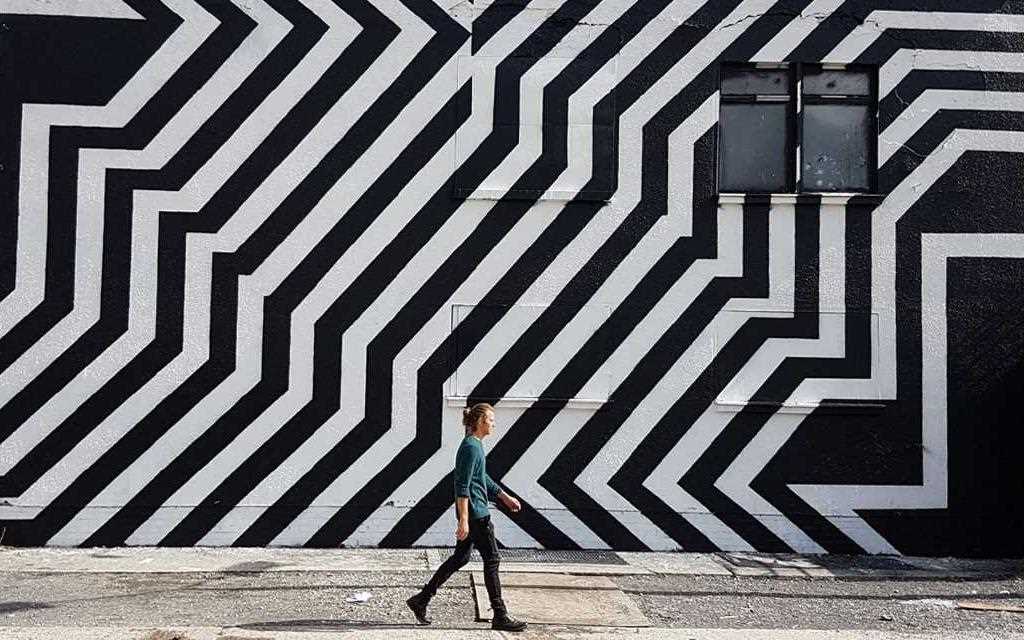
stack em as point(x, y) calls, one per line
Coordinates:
point(592, 404)
point(792, 198)
point(731, 406)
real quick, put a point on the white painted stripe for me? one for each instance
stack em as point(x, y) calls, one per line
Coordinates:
point(523, 476)
point(574, 333)
point(269, 195)
point(830, 343)
point(32, 222)
point(271, 28)
point(663, 481)
point(898, 134)
point(840, 502)
point(436, 329)
point(877, 22)
point(564, 266)
point(904, 61)
point(782, 44)
point(627, 356)
point(35, 146)
point(832, 501)
point(637, 263)
point(76, 8)
point(595, 477)
point(344, 271)
point(192, 197)
point(610, 295)
point(93, 166)
point(197, 299)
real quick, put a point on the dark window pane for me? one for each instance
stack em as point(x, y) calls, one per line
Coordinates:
point(836, 147)
point(752, 151)
point(743, 82)
point(827, 82)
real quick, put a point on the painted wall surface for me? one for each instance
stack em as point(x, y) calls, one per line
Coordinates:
point(255, 255)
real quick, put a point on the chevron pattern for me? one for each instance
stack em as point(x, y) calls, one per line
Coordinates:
point(256, 255)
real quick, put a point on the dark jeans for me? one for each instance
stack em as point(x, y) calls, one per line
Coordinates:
point(481, 536)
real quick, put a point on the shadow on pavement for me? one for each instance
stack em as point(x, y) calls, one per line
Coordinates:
point(11, 607)
point(335, 624)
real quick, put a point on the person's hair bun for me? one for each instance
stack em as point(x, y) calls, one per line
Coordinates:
point(472, 415)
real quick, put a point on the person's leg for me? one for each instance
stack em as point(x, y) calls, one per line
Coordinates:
point(482, 533)
point(459, 558)
point(418, 602)
point(483, 539)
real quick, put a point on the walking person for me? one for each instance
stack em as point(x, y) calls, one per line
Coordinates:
point(473, 489)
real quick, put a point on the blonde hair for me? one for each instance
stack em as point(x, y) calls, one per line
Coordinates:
point(471, 416)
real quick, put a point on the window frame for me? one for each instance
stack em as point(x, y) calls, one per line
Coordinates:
point(795, 120)
point(792, 135)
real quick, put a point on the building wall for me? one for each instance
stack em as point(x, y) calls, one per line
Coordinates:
point(257, 255)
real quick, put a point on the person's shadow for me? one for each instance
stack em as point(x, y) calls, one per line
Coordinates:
point(12, 607)
point(339, 624)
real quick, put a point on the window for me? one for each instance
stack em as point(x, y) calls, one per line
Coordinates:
point(797, 128)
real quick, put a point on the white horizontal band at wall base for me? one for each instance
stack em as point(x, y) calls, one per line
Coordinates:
point(384, 520)
point(524, 403)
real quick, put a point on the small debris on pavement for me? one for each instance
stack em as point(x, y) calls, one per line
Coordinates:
point(359, 598)
point(988, 606)
point(930, 602)
point(166, 635)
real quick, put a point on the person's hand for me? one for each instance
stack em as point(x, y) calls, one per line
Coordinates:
point(462, 530)
point(512, 503)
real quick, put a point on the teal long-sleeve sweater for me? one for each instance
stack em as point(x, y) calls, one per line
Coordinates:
point(471, 479)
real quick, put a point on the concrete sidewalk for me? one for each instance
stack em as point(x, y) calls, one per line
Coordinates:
point(233, 560)
point(293, 594)
point(229, 633)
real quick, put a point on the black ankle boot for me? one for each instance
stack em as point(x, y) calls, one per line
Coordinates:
point(418, 604)
point(503, 622)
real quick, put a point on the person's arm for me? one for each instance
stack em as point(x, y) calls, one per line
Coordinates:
point(464, 462)
point(493, 490)
point(495, 493)
point(462, 508)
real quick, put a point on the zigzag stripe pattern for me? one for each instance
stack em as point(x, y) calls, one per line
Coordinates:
point(260, 254)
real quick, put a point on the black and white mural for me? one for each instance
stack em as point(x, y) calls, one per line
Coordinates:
point(256, 255)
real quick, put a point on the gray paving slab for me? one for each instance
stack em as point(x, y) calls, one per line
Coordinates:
point(552, 581)
point(967, 568)
point(208, 560)
point(669, 563)
point(779, 566)
point(582, 569)
point(864, 567)
point(562, 606)
point(437, 556)
point(234, 560)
